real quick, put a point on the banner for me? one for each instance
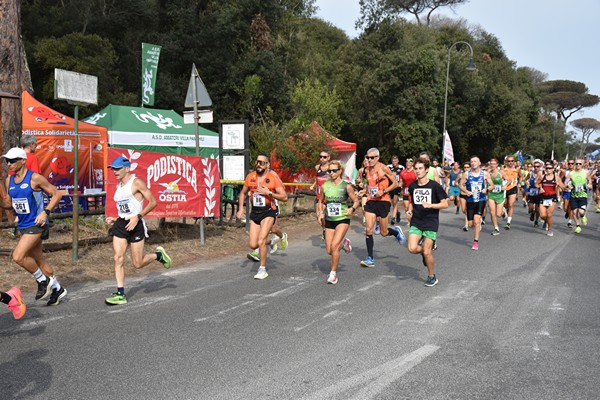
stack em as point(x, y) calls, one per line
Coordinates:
point(448, 152)
point(183, 186)
point(150, 55)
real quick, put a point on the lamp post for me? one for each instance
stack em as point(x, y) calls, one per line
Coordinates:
point(470, 67)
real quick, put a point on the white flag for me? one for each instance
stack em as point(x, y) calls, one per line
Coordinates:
point(448, 152)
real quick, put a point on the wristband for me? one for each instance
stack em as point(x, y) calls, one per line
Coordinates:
point(139, 216)
point(47, 211)
point(384, 192)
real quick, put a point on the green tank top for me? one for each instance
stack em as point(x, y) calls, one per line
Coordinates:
point(579, 184)
point(431, 174)
point(336, 200)
point(496, 193)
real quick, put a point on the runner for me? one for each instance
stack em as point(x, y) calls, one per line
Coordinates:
point(25, 196)
point(511, 174)
point(453, 190)
point(334, 213)
point(548, 182)
point(265, 188)
point(473, 184)
point(129, 229)
point(320, 179)
point(14, 302)
point(497, 194)
point(407, 176)
point(533, 192)
point(433, 173)
point(596, 187)
point(427, 198)
point(463, 197)
point(580, 181)
point(380, 181)
point(566, 193)
point(396, 169)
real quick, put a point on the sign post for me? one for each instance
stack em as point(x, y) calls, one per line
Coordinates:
point(234, 151)
point(196, 96)
point(77, 89)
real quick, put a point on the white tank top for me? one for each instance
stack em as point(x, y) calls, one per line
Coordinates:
point(127, 204)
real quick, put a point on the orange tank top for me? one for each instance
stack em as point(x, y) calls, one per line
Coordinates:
point(377, 180)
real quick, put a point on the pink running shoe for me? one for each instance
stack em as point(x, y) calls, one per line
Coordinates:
point(16, 305)
point(475, 246)
point(346, 245)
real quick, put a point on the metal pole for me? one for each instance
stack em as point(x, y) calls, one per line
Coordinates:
point(471, 66)
point(197, 135)
point(76, 189)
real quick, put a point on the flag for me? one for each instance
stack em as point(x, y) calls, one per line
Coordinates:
point(150, 55)
point(520, 155)
point(448, 152)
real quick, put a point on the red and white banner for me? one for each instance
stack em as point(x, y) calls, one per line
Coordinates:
point(448, 152)
point(183, 186)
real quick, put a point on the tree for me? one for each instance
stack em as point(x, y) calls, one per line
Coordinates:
point(375, 11)
point(565, 98)
point(587, 126)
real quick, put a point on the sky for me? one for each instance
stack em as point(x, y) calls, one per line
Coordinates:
point(555, 37)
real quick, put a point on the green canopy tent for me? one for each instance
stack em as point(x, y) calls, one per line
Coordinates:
point(149, 129)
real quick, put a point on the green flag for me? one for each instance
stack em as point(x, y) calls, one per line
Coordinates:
point(150, 55)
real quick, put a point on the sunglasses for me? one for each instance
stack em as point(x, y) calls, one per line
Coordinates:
point(578, 163)
point(549, 166)
point(12, 160)
point(329, 171)
point(322, 156)
point(370, 157)
point(510, 160)
point(260, 162)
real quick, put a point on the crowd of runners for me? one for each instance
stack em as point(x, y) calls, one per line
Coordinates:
point(391, 194)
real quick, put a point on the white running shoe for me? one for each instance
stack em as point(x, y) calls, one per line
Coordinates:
point(332, 279)
point(261, 274)
point(346, 245)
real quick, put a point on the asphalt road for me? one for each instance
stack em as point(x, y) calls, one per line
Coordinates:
point(518, 319)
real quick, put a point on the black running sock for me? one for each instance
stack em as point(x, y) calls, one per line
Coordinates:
point(5, 298)
point(158, 256)
point(369, 241)
point(121, 291)
point(393, 232)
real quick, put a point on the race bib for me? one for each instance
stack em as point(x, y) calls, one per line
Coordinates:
point(453, 183)
point(406, 193)
point(497, 189)
point(580, 188)
point(372, 191)
point(533, 191)
point(258, 200)
point(547, 202)
point(421, 196)
point(476, 190)
point(21, 206)
point(334, 210)
point(123, 207)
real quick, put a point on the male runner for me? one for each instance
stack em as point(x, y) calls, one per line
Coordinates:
point(580, 181)
point(511, 173)
point(396, 169)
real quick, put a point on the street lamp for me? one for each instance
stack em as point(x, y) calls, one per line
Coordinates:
point(470, 67)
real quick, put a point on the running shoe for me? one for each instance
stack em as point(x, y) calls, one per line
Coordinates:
point(57, 296)
point(116, 299)
point(332, 279)
point(536, 223)
point(569, 225)
point(466, 228)
point(393, 221)
point(401, 238)
point(323, 235)
point(431, 281)
point(164, 257)
point(550, 233)
point(284, 242)
point(254, 255)
point(457, 210)
point(434, 245)
point(507, 226)
point(566, 215)
point(597, 210)
point(16, 305)
point(44, 290)
point(578, 229)
point(524, 203)
point(368, 262)
point(475, 246)
point(531, 216)
point(346, 246)
point(584, 220)
point(545, 226)
point(272, 246)
point(377, 229)
point(261, 274)
point(483, 221)
point(495, 232)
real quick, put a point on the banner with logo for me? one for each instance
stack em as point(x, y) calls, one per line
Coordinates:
point(150, 55)
point(183, 186)
point(448, 152)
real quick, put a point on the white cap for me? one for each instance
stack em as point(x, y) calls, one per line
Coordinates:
point(537, 160)
point(15, 152)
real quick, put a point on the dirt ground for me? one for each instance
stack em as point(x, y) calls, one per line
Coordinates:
point(95, 263)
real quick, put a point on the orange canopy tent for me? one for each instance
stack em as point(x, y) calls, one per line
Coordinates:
point(55, 146)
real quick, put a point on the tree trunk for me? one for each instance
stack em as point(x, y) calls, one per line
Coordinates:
point(14, 72)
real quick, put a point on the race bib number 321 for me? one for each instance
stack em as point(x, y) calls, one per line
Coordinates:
point(421, 196)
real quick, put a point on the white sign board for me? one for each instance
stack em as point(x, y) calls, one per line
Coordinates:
point(233, 137)
point(204, 117)
point(75, 87)
point(233, 168)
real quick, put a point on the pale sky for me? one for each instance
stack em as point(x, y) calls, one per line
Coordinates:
point(553, 36)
